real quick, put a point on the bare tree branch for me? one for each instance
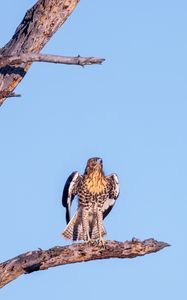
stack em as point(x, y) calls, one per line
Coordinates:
point(30, 57)
point(36, 28)
point(44, 259)
point(6, 94)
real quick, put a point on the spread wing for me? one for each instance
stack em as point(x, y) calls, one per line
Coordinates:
point(69, 192)
point(113, 194)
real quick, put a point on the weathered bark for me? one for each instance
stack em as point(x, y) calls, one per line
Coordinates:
point(44, 259)
point(37, 27)
point(57, 59)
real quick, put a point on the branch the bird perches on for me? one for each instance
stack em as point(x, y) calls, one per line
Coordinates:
point(44, 259)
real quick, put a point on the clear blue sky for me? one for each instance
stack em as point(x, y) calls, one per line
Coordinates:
point(131, 112)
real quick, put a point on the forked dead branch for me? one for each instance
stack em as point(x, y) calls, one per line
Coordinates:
point(35, 30)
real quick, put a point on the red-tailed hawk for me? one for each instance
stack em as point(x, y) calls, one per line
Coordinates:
point(97, 194)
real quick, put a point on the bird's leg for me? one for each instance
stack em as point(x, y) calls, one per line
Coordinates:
point(100, 226)
point(85, 225)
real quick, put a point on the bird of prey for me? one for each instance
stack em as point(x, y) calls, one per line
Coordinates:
point(97, 195)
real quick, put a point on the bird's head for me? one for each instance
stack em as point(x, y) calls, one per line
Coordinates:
point(94, 164)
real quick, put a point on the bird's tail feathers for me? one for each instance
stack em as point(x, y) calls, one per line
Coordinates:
point(74, 229)
point(94, 231)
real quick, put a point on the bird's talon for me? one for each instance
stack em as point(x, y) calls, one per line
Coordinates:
point(101, 242)
point(91, 242)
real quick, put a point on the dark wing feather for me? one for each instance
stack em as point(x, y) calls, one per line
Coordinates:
point(69, 192)
point(113, 194)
